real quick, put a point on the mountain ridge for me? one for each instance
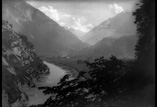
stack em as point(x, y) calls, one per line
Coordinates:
point(48, 37)
point(122, 47)
point(117, 26)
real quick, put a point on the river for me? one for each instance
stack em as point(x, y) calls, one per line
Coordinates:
point(36, 96)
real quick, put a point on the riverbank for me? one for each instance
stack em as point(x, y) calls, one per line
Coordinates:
point(73, 71)
point(35, 95)
point(70, 63)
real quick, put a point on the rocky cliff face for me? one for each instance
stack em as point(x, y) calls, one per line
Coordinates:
point(20, 67)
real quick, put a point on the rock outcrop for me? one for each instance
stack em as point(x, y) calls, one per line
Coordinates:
point(21, 67)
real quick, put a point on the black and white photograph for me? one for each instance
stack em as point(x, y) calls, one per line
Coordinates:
point(78, 53)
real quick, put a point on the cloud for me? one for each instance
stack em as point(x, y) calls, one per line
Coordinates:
point(67, 20)
point(62, 24)
point(51, 12)
point(79, 24)
point(117, 9)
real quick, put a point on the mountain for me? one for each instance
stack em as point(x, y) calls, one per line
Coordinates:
point(78, 33)
point(117, 26)
point(47, 36)
point(122, 47)
point(21, 67)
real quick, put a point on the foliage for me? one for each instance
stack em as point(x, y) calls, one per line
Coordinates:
point(145, 19)
point(145, 47)
point(20, 65)
point(105, 73)
point(111, 77)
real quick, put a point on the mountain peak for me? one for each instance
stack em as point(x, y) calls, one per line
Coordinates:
point(117, 26)
point(50, 38)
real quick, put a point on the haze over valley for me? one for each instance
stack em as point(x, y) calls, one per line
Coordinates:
point(77, 53)
point(51, 38)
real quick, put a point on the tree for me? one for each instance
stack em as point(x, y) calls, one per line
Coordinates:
point(109, 75)
point(105, 74)
point(145, 47)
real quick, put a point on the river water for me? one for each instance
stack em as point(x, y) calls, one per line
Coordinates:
point(36, 96)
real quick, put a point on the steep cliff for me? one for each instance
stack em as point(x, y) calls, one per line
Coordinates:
point(21, 67)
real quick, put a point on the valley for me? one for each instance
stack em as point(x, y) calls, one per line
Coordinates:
point(55, 54)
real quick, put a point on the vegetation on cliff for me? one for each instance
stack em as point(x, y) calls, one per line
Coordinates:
point(20, 65)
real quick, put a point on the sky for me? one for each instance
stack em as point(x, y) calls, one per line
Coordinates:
point(82, 15)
